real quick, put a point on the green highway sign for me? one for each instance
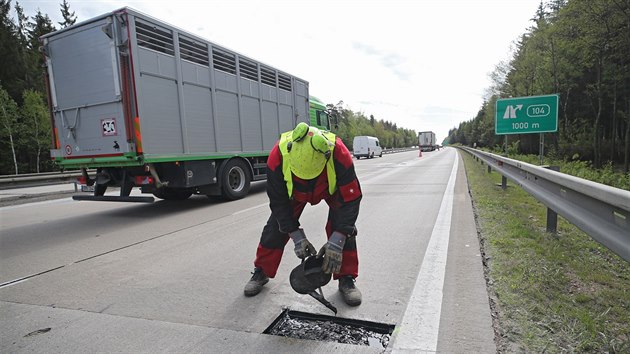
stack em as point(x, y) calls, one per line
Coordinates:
point(523, 115)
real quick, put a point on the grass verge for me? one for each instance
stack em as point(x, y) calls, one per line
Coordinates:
point(550, 293)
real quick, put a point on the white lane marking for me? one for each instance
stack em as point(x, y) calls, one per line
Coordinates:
point(13, 282)
point(420, 325)
point(248, 209)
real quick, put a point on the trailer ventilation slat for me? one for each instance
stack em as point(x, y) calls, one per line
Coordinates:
point(249, 70)
point(153, 37)
point(284, 82)
point(268, 76)
point(224, 61)
point(194, 51)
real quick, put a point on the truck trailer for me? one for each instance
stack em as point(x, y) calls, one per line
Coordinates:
point(426, 141)
point(148, 105)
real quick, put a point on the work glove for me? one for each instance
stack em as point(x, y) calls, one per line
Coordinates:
point(303, 248)
point(332, 252)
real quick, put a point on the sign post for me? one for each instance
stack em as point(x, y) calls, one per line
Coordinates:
point(524, 115)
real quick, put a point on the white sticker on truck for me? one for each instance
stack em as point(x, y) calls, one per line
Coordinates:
point(109, 126)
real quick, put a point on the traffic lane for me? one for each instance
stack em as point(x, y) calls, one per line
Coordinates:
point(187, 276)
point(402, 204)
point(196, 275)
point(42, 236)
point(74, 331)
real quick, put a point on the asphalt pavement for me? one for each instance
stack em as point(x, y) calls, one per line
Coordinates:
point(21, 195)
point(168, 277)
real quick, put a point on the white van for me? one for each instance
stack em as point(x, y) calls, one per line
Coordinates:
point(366, 146)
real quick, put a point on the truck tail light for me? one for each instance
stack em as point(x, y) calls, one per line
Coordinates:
point(82, 180)
point(142, 180)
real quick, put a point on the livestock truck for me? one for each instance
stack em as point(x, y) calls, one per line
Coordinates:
point(145, 104)
point(426, 141)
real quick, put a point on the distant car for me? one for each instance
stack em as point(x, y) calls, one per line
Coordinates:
point(366, 146)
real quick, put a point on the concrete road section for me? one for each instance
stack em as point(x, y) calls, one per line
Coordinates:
point(169, 276)
point(14, 196)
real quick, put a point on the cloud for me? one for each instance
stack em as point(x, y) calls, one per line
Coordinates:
point(391, 61)
point(441, 111)
point(379, 103)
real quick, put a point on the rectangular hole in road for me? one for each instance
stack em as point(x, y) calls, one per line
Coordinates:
point(303, 325)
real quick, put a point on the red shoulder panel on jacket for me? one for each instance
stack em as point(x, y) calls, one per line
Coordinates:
point(275, 158)
point(342, 154)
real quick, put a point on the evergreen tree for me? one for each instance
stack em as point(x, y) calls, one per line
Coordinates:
point(69, 18)
point(579, 50)
point(40, 25)
point(349, 124)
point(9, 47)
point(22, 21)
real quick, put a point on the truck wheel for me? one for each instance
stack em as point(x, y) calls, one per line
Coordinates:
point(235, 180)
point(173, 193)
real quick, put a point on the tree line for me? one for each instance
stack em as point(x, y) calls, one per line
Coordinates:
point(348, 124)
point(25, 126)
point(580, 50)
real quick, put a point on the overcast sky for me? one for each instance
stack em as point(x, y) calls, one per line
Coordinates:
point(422, 64)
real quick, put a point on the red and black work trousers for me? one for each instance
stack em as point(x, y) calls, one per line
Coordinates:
point(273, 241)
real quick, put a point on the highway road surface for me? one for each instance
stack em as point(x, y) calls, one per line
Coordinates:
point(169, 276)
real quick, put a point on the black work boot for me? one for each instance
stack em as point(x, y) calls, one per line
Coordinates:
point(351, 295)
point(256, 283)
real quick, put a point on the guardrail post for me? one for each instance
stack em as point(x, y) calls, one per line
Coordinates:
point(489, 169)
point(503, 182)
point(552, 216)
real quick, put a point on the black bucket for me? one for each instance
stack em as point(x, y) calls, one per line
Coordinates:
point(308, 275)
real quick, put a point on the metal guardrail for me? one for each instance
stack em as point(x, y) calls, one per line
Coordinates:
point(396, 150)
point(392, 150)
point(601, 211)
point(39, 179)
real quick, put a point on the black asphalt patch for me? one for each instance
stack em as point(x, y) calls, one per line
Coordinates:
point(303, 325)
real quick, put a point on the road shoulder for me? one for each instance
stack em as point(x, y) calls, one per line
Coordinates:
point(466, 322)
